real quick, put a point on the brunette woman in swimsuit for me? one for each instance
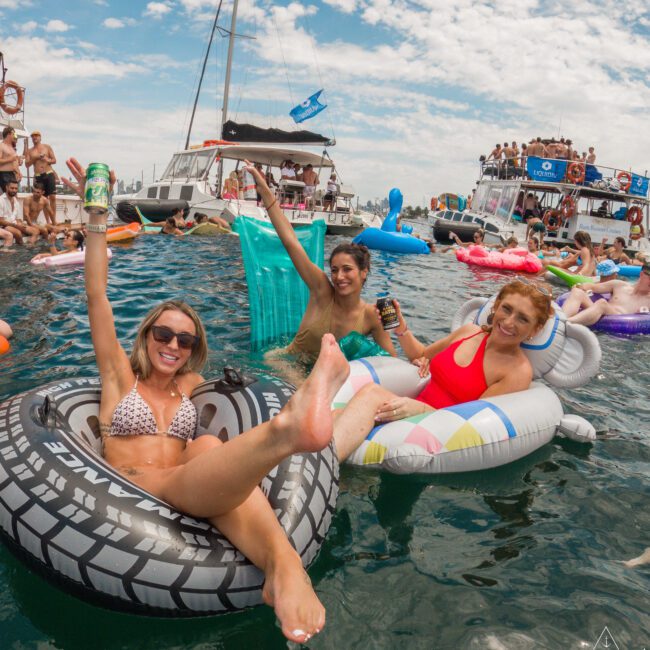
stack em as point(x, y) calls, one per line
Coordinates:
point(148, 422)
point(472, 362)
point(335, 303)
point(584, 257)
point(616, 253)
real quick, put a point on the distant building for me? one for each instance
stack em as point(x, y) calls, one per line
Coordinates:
point(120, 187)
point(138, 186)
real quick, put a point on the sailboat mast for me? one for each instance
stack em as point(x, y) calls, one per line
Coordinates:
point(231, 44)
point(205, 61)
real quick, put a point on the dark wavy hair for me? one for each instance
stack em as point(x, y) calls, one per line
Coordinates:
point(358, 252)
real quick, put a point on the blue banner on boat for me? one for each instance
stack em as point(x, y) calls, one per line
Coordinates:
point(639, 185)
point(543, 169)
point(307, 109)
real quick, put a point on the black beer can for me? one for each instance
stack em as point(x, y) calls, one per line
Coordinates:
point(388, 313)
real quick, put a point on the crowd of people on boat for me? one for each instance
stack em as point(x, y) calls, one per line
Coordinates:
point(512, 155)
point(297, 186)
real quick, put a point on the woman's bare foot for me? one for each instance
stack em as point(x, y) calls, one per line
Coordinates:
point(288, 590)
point(307, 418)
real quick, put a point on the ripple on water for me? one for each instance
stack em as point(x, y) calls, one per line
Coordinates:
point(524, 556)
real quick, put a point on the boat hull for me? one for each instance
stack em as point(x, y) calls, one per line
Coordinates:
point(155, 210)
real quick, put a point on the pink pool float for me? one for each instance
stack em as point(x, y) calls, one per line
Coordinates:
point(512, 259)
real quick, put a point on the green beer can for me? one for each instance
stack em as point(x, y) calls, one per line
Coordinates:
point(97, 186)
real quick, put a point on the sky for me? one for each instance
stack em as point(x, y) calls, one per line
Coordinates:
point(416, 90)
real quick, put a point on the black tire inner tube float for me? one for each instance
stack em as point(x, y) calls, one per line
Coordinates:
point(71, 517)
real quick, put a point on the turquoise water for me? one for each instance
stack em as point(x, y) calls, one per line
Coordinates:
point(523, 556)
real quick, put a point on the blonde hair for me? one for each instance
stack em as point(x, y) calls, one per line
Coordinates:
point(140, 362)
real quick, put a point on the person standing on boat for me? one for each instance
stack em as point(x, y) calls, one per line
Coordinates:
point(10, 161)
point(310, 179)
point(42, 156)
point(335, 303)
point(591, 158)
point(147, 423)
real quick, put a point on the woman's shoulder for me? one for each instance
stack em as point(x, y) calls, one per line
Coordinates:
point(189, 381)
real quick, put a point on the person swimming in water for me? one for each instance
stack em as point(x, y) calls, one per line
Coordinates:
point(470, 363)
point(335, 303)
point(73, 240)
point(148, 422)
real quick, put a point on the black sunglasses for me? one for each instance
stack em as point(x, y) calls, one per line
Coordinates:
point(165, 335)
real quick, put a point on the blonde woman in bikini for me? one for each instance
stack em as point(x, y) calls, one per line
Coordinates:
point(148, 424)
point(335, 303)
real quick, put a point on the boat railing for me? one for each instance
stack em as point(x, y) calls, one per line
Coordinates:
point(574, 172)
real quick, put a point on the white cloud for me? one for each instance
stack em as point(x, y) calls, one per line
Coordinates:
point(15, 4)
point(346, 6)
point(62, 69)
point(27, 27)
point(57, 26)
point(157, 9)
point(113, 23)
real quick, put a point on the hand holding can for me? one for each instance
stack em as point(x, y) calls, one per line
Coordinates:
point(387, 312)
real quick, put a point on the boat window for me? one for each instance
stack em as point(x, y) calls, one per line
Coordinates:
point(164, 192)
point(449, 214)
point(184, 163)
point(186, 193)
point(203, 160)
point(151, 192)
point(480, 222)
point(467, 218)
point(491, 227)
point(169, 172)
point(457, 216)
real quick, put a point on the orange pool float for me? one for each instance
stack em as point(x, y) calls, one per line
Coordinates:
point(123, 233)
point(4, 345)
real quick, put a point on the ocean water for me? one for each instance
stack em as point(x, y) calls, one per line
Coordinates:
point(524, 556)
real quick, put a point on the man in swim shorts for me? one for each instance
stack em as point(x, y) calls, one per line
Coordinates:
point(33, 206)
point(310, 179)
point(10, 161)
point(625, 298)
point(42, 156)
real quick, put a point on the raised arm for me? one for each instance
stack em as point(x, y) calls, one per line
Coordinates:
point(111, 358)
point(312, 275)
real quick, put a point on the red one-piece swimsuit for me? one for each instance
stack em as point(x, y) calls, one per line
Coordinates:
point(453, 384)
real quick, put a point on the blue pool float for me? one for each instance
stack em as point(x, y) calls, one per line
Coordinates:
point(387, 238)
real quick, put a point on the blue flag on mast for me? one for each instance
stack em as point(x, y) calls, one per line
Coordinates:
point(307, 109)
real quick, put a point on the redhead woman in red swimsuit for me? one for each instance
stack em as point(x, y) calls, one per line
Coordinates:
point(472, 362)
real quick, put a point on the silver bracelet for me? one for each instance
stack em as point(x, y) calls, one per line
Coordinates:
point(96, 227)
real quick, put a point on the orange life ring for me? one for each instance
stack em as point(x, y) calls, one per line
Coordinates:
point(20, 96)
point(576, 172)
point(635, 215)
point(638, 235)
point(546, 219)
point(625, 184)
point(567, 207)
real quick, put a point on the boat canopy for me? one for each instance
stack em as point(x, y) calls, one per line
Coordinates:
point(251, 133)
point(194, 164)
point(274, 156)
